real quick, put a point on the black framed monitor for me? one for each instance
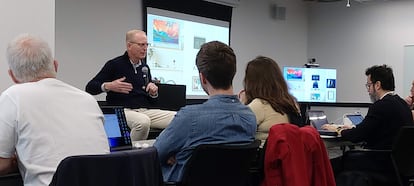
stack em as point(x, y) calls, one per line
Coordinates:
point(311, 84)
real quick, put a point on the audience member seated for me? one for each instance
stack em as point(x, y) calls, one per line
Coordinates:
point(409, 99)
point(222, 119)
point(384, 118)
point(267, 94)
point(42, 119)
point(126, 80)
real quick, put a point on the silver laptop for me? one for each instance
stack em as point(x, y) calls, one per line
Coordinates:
point(116, 128)
point(355, 118)
point(318, 118)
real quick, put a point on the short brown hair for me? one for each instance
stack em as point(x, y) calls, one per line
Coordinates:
point(217, 62)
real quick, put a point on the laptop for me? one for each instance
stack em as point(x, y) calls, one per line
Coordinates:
point(170, 97)
point(318, 118)
point(353, 119)
point(116, 128)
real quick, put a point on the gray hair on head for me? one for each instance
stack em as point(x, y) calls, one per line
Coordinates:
point(30, 58)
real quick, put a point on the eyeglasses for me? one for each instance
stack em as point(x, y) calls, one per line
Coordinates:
point(368, 85)
point(140, 44)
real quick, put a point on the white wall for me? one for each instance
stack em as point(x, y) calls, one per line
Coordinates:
point(24, 16)
point(88, 33)
point(254, 32)
point(352, 39)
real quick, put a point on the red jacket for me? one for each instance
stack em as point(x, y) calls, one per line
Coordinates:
point(285, 160)
point(320, 173)
point(296, 157)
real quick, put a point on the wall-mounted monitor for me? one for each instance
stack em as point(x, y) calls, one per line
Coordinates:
point(175, 39)
point(311, 84)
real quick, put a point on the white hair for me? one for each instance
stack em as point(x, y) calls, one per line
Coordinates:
point(30, 58)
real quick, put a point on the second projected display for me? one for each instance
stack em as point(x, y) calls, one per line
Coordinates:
point(311, 84)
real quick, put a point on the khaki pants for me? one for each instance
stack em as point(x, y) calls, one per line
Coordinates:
point(141, 120)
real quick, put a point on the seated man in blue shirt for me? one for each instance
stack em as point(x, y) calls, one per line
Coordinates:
point(221, 119)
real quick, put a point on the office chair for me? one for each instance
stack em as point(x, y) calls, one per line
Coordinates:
point(403, 155)
point(397, 165)
point(13, 179)
point(138, 167)
point(219, 165)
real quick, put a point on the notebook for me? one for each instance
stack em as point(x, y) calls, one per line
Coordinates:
point(318, 118)
point(353, 119)
point(116, 128)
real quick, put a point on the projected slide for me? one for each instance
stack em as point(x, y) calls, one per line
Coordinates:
point(175, 39)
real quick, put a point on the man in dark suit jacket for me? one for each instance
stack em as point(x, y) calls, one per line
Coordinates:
point(385, 117)
point(381, 124)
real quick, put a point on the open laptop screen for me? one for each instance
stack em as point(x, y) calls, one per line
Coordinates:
point(116, 127)
point(317, 118)
point(355, 118)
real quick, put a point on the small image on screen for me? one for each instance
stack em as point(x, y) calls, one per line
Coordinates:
point(293, 74)
point(198, 41)
point(166, 31)
point(330, 83)
point(315, 77)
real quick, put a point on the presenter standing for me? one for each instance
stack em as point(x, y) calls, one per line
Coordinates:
point(126, 80)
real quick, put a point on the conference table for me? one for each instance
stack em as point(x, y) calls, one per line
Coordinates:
point(336, 146)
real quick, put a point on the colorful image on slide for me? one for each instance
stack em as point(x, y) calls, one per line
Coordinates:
point(293, 73)
point(166, 31)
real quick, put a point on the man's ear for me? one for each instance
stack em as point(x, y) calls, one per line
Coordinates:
point(13, 77)
point(377, 85)
point(203, 80)
point(56, 64)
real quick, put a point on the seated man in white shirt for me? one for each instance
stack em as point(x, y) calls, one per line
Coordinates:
point(42, 119)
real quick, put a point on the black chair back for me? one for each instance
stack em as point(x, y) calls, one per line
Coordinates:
point(139, 167)
point(220, 164)
point(13, 179)
point(396, 165)
point(403, 153)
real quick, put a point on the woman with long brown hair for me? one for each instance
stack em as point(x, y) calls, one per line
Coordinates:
point(267, 94)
